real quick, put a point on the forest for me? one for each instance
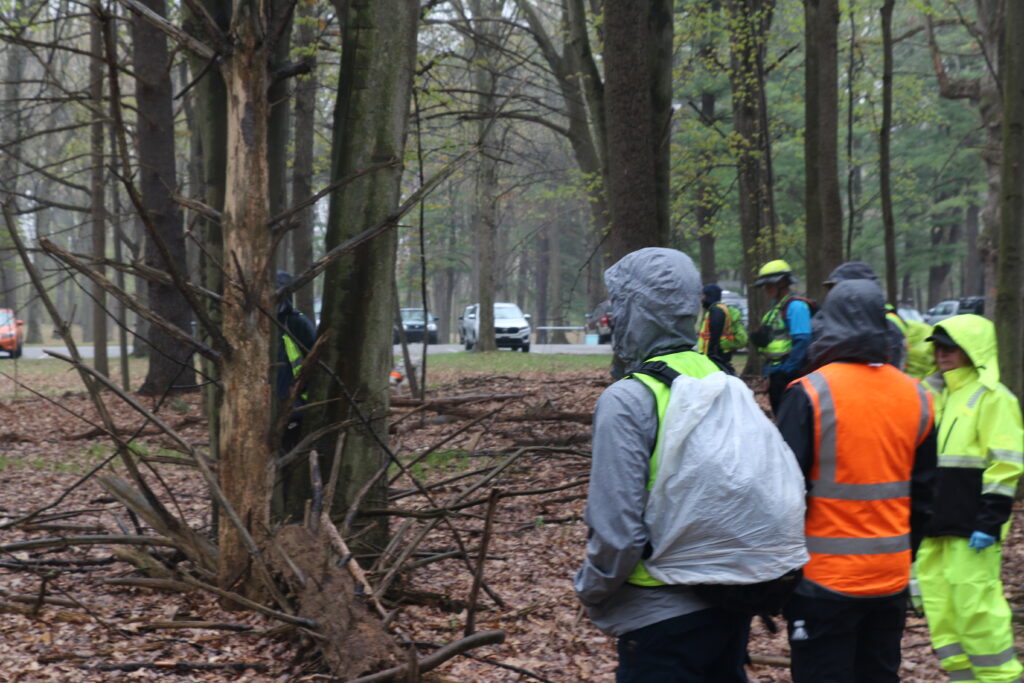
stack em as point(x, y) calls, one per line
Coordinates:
point(162, 162)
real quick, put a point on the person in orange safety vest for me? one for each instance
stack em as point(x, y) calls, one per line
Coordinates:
point(863, 434)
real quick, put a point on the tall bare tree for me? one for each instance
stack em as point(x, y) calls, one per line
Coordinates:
point(370, 119)
point(824, 225)
point(638, 110)
point(170, 363)
point(97, 222)
point(1010, 293)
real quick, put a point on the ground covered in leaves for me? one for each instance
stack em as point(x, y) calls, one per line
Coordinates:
point(82, 613)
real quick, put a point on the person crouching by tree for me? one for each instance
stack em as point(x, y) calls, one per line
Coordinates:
point(665, 632)
point(981, 458)
point(297, 336)
point(862, 433)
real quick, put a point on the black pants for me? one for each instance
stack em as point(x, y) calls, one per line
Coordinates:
point(777, 383)
point(854, 640)
point(709, 646)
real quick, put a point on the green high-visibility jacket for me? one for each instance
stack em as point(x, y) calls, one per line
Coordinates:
point(980, 437)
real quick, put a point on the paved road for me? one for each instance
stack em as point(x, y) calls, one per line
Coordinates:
point(86, 351)
point(415, 349)
point(574, 349)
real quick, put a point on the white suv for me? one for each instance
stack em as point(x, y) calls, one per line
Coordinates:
point(511, 327)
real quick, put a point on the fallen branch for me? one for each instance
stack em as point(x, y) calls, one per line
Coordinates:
point(155, 584)
point(182, 667)
point(69, 541)
point(436, 659)
point(214, 625)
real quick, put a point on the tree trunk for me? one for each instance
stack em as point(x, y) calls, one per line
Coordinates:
point(638, 66)
point(170, 363)
point(704, 211)
point(302, 166)
point(245, 455)
point(211, 131)
point(98, 208)
point(486, 53)
point(278, 123)
point(1009, 313)
point(884, 150)
point(984, 91)
point(824, 236)
point(749, 21)
point(370, 119)
point(11, 110)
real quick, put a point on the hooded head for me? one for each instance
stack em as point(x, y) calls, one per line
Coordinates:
point(654, 297)
point(851, 270)
point(977, 337)
point(851, 325)
point(282, 279)
point(711, 294)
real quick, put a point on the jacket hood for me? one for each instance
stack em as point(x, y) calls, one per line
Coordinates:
point(654, 297)
point(977, 337)
point(712, 294)
point(851, 270)
point(851, 325)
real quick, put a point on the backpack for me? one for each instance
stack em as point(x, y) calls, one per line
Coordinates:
point(738, 329)
point(726, 508)
point(811, 304)
point(762, 336)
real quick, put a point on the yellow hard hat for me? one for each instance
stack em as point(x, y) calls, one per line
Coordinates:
point(774, 271)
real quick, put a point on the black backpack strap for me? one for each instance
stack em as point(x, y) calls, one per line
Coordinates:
point(659, 370)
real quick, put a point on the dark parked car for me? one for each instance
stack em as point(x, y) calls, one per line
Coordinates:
point(972, 304)
point(600, 322)
point(414, 323)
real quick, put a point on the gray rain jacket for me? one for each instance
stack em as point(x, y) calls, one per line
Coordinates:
point(654, 296)
point(858, 270)
point(851, 326)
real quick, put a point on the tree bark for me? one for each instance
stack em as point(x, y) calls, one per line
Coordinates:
point(211, 131)
point(97, 217)
point(485, 73)
point(170, 363)
point(302, 165)
point(884, 154)
point(824, 230)
point(638, 66)
point(370, 121)
point(245, 464)
point(749, 22)
point(1009, 313)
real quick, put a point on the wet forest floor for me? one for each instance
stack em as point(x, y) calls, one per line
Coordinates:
point(82, 613)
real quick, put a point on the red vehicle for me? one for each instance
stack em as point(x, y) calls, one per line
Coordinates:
point(600, 321)
point(12, 333)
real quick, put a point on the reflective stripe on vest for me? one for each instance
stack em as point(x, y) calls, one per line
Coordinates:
point(704, 336)
point(294, 357)
point(858, 508)
point(780, 343)
point(992, 445)
point(686, 363)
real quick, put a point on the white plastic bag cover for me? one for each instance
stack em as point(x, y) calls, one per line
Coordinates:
point(728, 501)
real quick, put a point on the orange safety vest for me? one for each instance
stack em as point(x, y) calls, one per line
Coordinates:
point(868, 423)
point(704, 336)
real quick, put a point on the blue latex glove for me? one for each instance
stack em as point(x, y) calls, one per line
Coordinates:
point(980, 540)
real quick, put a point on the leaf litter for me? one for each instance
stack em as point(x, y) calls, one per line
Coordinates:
point(67, 614)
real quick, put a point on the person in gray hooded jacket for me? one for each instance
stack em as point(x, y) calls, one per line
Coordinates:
point(895, 328)
point(665, 633)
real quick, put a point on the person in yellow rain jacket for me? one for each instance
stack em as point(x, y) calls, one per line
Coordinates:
point(980, 460)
